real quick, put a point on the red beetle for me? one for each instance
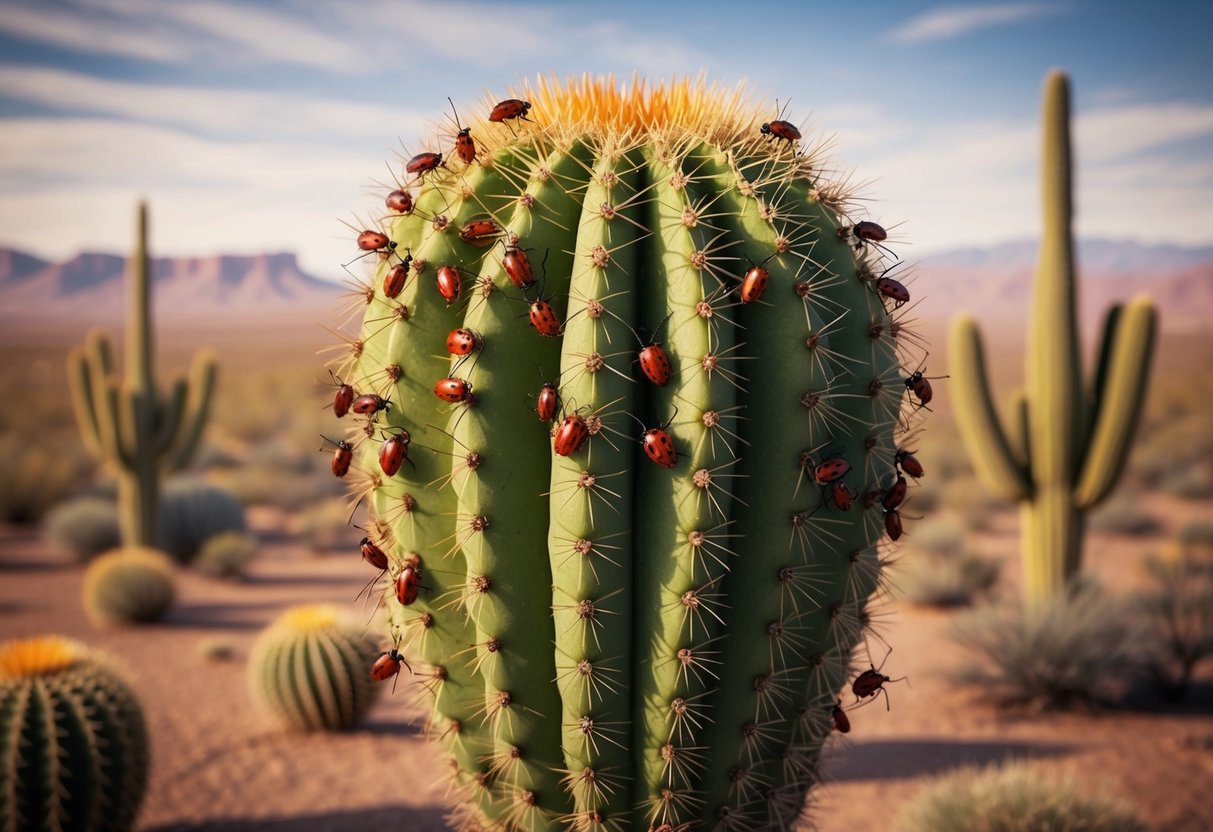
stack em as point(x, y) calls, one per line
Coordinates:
point(909, 463)
point(388, 665)
point(655, 364)
point(343, 398)
point(375, 241)
point(408, 585)
point(400, 201)
point(548, 402)
point(423, 163)
point(368, 404)
point(892, 524)
point(544, 318)
point(871, 682)
point(571, 435)
point(781, 130)
point(869, 232)
point(510, 108)
point(842, 723)
point(480, 233)
point(518, 267)
point(920, 386)
point(463, 342)
point(896, 494)
point(393, 281)
point(450, 284)
point(659, 447)
point(754, 284)
point(394, 451)
point(372, 554)
point(894, 290)
point(453, 390)
point(342, 456)
point(831, 470)
point(841, 495)
point(465, 146)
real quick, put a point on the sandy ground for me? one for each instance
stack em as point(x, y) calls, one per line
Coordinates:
point(218, 767)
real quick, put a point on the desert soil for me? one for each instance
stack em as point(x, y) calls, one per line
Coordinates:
point(218, 766)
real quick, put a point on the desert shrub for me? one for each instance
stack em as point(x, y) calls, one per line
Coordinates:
point(1013, 797)
point(939, 536)
point(1197, 534)
point(326, 526)
point(226, 555)
point(84, 526)
point(1123, 514)
point(191, 513)
point(34, 477)
point(1080, 648)
point(1191, 483)
point(934, 581)
point(971, 501)
point(129, 586)
point(1178, 609)
point(1173, 446)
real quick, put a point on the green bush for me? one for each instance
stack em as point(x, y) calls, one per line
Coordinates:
point(1013, 797)
point(1079, 648)
point(35, 477)
point(191, 513)
point(934, 581)
point(1192, 483)
point(1178, 608)
point(132, 585)
point(84, 526)
point(1197, 534)
point(226, 555)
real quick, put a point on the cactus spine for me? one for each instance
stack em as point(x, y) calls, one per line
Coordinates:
point(1069, 444)
point(73, 746)
point(127, 425)
point(607, 642)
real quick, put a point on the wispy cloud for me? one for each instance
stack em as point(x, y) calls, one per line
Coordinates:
point(946, 22)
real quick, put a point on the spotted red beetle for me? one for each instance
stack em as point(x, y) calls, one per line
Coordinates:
point(518, 267)
point(453, 389)
point(388, 665)
point(510, 108)
point(659, 447)
point(755, 281)
point(368, 404)
point(547, 402)
point(423, 163)
point(400, 201)
point(842, 723)
point(544, 318)
point(450, 284)
point(375, 241)
point(571, 435)
point(408, 585)
point(465, 146)
point(463, 341)
point(481, 233)
point(841, 496)
point(394, 451)
point(896, 494)
point(372, 554)
point(394, 280)
point(781, 130)
point(909, 463)
point(655, 364)
point(831, 470)
point(894, 290)
point(343, 398)
point(343, 455)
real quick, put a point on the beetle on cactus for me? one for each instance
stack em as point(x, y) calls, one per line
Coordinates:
point(674, 326)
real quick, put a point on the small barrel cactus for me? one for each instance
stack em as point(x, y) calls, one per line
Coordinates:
point(73, 745)
point(131, 585)
point(308, 670)
point(624, 409)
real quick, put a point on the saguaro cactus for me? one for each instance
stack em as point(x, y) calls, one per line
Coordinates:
point(1070, 444)
point(633, 609)
point(127, 425)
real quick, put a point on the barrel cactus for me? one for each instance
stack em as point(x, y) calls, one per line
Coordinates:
point(307, 670)
point(129, 585)
point(73, 745)
point(624, 408)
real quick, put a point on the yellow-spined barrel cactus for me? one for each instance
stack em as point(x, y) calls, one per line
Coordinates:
point(73, 745)
point(624, 408)
point(129, 585)
point(308, 670)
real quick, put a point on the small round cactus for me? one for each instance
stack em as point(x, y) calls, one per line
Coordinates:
point(627, 395)
point(309, 670)
point(73, 746)
point(132, 585)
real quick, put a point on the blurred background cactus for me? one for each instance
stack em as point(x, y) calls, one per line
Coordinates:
point(127, 425)
point(130, 585)
point(1068, 441)
point(308, 670)
point(664, 441)
point(75, 749)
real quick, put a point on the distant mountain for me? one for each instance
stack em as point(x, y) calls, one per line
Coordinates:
point(1097, 256)
point(15, 266)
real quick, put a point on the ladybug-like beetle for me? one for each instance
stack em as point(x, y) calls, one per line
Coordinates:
point(518, 267)
point(869, 232)
point(375, 241)
point(408, 585)
point(394, 280)
point(544, 318)
point(871, 682)
point(465, 146)
point(400, 201)
point(918, 384)
point(394, 451)
point(480, 232)
point(423, 163)
point(368, 404)
point(343, 398)
point(388, 665)
point(372, 554)
point(655, 364)
point(892, 524)
point(831, 470)
point(754, 284)
point(906, 461)
point(894, 290)
point(842, 723)
point(896, 494)
point(571, 435)
point(841, 495)
point(342, 456)
point(450, 284)
point(510, 108)
point(659, 447)
point(463, 342)
point(547, 402)
point(781, 130)
point(453, 389)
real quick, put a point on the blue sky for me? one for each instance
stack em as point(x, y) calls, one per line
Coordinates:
point(258, 126)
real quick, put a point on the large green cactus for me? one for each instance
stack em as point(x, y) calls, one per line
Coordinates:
point(608, 642)
point(1070, 443)
point(73, 745)
point(128, 426)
